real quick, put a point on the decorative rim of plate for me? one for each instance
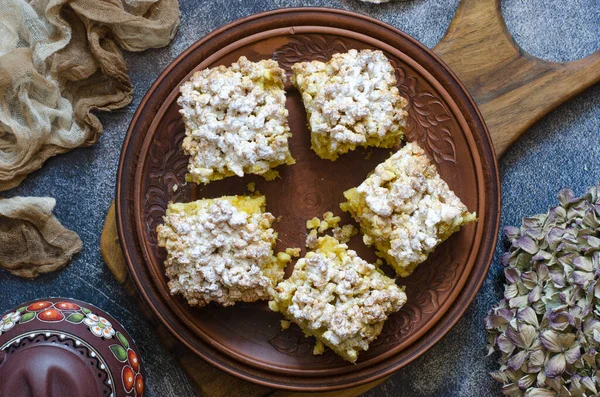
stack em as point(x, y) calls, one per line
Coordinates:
point(378, 369)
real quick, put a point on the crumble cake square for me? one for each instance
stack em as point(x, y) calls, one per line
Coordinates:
point(220, 250)
point(406, 209)
point(337, 297)
point(351, 101)
point(235, 121)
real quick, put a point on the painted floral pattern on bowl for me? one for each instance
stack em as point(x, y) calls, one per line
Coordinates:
point(88, 327)
point(9, 321)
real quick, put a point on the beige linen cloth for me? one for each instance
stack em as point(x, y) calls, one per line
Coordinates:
point(60, 60)
point(33, 241)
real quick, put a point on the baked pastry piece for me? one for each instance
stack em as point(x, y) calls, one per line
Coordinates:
point(405, 209)
point(338, 298)
point(220, 250)
point(235, 121)
point(351, 101)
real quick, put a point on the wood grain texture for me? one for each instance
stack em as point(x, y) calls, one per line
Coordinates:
point(513, 89)
point(111, 247)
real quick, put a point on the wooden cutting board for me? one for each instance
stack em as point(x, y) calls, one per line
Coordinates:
point(512, 89)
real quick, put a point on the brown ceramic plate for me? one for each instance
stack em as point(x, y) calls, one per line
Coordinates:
point(246, 340)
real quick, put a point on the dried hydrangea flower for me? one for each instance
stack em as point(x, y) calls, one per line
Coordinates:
point(546, 329)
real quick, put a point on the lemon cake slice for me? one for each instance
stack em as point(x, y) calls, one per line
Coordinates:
point(235, 121)
point(351, 101)
point(405, 209)
point(338, 298)
point(220, 250)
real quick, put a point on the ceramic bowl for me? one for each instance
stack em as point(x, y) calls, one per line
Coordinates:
point(65, 347)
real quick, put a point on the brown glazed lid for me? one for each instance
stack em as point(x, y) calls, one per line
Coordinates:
point(246, 339)
point(63, 347)
point(41, 367)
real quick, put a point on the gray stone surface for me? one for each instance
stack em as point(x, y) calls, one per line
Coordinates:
point(561, 150)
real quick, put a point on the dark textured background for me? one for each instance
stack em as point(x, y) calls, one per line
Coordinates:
point(561, 150)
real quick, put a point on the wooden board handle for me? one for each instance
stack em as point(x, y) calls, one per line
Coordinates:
point(513, 89)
